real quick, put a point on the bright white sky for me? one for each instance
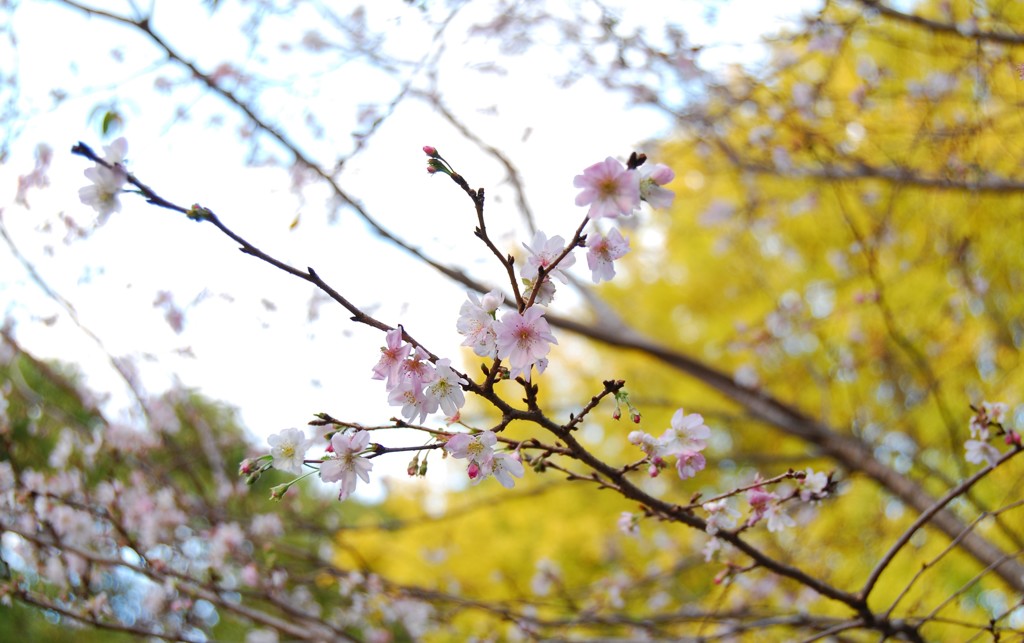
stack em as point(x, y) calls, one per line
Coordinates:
point(268, 361)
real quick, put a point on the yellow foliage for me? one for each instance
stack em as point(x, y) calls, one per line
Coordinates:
point(840, 240)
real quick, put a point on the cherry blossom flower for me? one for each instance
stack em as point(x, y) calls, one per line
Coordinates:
point(684, 440)
point(988, 413)
point(759, 500)
point(107, 182)
point(391, 359)
point(417, 370)
point(548, 575)
point(503, 466)
point(602, 251)
point(476, 322)
point(688, 432)
point(545, 294)
point(445, 390)
point(812, 487)
point(543, 253)
point(979, 451)
point(524, 338)
point(411, 398)
point(720, 516)
point(116, 152)
point(102, 195)
point(478, 447)
point(652, 177)
point(347, 465)
point(777, 517)
point(629, 524)
point(608, 188)
point(288, 449)
point(689, 464)
point(711, 547)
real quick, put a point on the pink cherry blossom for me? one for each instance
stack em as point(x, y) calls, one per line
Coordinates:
point(608, 188)
point(602, 251)
point(476, 322)
point(652, 177)
point(483, 461)
point(545, 294)
point(417, 370)
point(347, 465)
point(524, 338)
point(759, 500)
point(543, 253)
point(445, 390)
point(777, 517)
point(689, 433)
point(720, 516)
point(988, 413)
point(478, 447)
point(411, 398)
point(689, 464)
point(628, 524)
point(503, 466)
point(392, 357)
point(979, 451)
point(813, 486)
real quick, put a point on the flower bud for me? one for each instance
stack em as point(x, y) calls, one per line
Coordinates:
point(430, 151)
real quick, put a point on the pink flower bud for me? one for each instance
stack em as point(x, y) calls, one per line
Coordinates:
point(1013, 438)
point(430, 151)
point(617, 413)
point(635, 416)
point(473, 470)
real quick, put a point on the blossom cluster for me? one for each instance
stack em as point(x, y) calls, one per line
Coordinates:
point(478, 449)
point(986, 423)
point(416, 384)
point(765, 504)
point(524, 339)
point(684, 440)
point(421, 384)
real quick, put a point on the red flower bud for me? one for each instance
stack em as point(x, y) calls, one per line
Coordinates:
point(430, 151)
